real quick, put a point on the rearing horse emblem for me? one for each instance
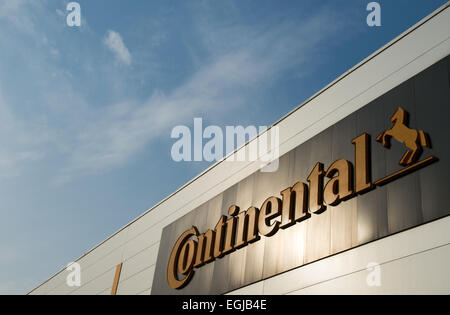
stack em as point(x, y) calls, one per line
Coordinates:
point(413, 139)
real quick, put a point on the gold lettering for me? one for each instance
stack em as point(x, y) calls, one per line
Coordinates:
point(186, 258)
point(270, 209)
point(295, 206)
point(297, 202)
point(315, 180)
point(219, 239)
point(172, 274)
point(247, 227)
point(230, 230)
point(205, 248)
point(362, 163)
point(339, 187)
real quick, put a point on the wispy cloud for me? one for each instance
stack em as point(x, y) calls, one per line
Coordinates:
point(114, 42)
point(228, 81)
point(239, 60)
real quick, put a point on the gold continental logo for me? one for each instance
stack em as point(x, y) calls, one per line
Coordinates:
point(297, 203)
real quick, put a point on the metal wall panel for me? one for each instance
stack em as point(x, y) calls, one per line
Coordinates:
point(222, 273)
point(432, 90)
point(238, 259)
point(372, 207)
point(279, 249)
point(318, 227)
point(344, 223)
point(404, 203)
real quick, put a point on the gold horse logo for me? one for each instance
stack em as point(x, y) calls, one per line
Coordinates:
point(411, 138)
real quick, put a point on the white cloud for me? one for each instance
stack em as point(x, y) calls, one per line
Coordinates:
point(60, 13)
point(114, 42)
point(216, 88)
point(91, 139)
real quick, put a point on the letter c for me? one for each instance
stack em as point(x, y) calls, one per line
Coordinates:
point(187, 259)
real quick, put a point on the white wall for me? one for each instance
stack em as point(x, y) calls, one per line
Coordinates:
point(411, 262)
point(136, 245)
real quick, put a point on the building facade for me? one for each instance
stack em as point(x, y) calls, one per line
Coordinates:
point(358, 204)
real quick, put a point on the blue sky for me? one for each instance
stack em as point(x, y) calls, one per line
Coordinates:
point(86, 112)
